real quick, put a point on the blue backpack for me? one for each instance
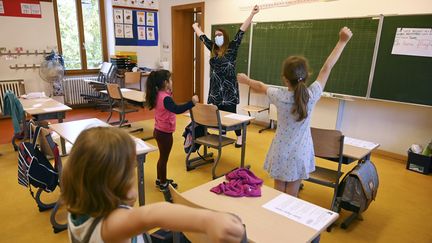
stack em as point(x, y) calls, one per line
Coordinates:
point(34, 169)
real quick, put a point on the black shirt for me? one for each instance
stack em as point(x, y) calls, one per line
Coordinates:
point(223, 79)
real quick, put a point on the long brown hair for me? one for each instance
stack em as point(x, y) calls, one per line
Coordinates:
point(220, 51)
point(100, 171)
point(155, 82)
point(295, 70)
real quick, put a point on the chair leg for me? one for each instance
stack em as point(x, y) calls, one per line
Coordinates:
point(215, 163)
point(110, 115)
point(267, 128)
point(57, 227)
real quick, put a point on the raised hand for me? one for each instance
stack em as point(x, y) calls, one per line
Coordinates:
point(242, 78)
point(195, 99)
point(345, 34)
point(255, 10)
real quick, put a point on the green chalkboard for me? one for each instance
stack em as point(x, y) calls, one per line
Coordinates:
point(272, 42)
point(243, 52)
point(402, 77)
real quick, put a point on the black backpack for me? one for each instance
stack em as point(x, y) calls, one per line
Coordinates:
point(34, 169)
point(187, 134)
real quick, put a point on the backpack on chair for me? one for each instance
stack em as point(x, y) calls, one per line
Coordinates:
point(34, 169)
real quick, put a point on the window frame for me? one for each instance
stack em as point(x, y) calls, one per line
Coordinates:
point(84, 69)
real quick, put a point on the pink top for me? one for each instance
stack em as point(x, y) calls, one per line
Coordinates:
point(165, 120)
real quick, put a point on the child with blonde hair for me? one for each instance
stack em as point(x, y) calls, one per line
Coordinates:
point(291, 156)
point(98, 188)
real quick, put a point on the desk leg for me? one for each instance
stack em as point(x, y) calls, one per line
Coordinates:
point(243, 148)
point(62, 140)
point(140, 174)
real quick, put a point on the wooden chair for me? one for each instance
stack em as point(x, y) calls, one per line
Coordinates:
point(328, 144)
point(105, 76)
point(249, 108)
point(132, 78)
point(120, 105)
point(175, 197)
point(209, 117)
point(50, 149)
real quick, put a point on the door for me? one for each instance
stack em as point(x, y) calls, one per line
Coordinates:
point(187, 77)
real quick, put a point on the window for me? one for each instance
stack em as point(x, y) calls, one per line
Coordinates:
point(81, 34)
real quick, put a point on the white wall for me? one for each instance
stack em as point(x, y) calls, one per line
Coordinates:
point(395, 126)
point(30, 34)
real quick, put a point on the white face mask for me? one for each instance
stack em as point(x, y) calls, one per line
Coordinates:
point(219, 40)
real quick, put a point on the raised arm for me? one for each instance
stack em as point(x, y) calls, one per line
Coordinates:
point(248, 21)
point(258, 86)
point(344, 36)
point(197, 29)
point(122, 224)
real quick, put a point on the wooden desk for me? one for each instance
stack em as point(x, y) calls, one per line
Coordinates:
point(44, 109)
point(354, 152)
point(132, 95)
point(71, 130)
point(262, 225)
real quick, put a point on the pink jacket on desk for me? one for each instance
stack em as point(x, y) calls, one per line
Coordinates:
point(241, 183)
point(165, 120)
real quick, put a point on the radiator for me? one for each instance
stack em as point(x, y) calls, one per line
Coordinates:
point(16, 86)
point(74, 86)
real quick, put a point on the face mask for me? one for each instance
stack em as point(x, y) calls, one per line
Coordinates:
point(219, 40)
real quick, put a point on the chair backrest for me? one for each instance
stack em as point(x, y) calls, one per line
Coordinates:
point(132, 77)
point(114, 91)
point(105, 72)
point(177, 198)
point(207, 115)
point(327, 143)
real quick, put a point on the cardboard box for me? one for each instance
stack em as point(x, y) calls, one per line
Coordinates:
point(419, 163)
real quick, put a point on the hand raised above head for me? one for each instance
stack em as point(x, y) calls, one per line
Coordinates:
point(195, 25)
point(345, 34)
point(255, 10)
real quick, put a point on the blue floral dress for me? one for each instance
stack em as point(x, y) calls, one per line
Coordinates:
point(291, 154)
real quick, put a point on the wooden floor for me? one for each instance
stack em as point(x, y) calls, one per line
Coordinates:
point(402, 211)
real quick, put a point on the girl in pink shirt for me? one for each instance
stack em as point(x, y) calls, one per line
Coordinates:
point(159, 97)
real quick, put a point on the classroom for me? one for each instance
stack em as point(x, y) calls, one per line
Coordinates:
point(390, 108)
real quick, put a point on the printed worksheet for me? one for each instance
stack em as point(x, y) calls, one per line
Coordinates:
point(35, 9)
point(238, 117)
point(301, 211)
point(141, 33)
point(360, 143)
point(150, 19)
point(150, 33)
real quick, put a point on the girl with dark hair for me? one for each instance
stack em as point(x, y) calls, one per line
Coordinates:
point(159, 97)
point(224, 91)
point(291, 156)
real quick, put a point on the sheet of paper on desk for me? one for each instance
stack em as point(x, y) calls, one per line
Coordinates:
point(238, 117)
point(360, 143)
point(57, 108)
point(301, 211)
point(140, 144)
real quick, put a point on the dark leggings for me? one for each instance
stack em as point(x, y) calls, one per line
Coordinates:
point(233, 109)
point(165, 142)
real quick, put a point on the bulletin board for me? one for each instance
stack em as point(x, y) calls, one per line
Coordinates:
point(135, 27)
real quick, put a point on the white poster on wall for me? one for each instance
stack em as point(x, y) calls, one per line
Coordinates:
point(128, 31)
point(119, 33)
point(118, 16)
point(150, 19)
point(413, 42)
point(35, 9)
point(150, 33)
point(127, 16)
point(141, 33)
point(140, 18)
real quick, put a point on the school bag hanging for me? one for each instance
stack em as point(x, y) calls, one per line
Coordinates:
point(34, 169)
point(187, 134)
point(359, 187)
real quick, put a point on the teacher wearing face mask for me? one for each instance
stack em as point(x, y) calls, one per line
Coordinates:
point(224, 91)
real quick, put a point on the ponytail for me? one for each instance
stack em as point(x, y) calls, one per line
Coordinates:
point(155, 82)
point(295, 70)
point(301, 99)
